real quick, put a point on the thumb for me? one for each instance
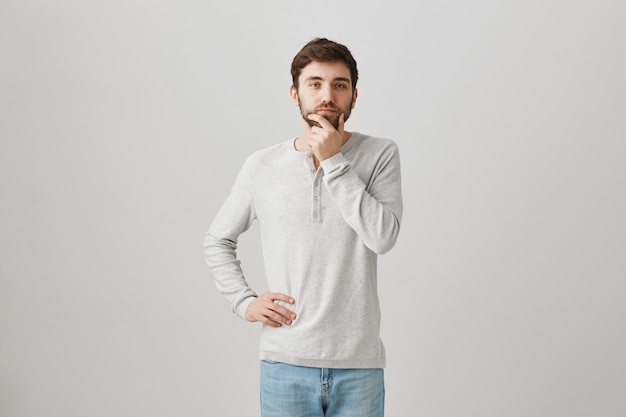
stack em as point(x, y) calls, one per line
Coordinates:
point(340, 123)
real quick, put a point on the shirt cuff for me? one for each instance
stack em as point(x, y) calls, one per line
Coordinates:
point(333, 163)
point(243, 306)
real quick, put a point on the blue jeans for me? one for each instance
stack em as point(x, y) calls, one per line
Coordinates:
point(298, 391)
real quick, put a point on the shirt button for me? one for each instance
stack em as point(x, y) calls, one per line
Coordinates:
point(315, 215)
point(315, 184)
point(308, 155)
point(315, 198)
point(312, 170)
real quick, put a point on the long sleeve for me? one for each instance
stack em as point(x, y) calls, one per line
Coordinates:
point(374, 210)
point(220, 244)
point(321, 232)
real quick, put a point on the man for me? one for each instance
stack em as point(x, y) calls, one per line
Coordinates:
point(327, 202)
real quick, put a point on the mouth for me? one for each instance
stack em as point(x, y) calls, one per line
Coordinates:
point(326, 110)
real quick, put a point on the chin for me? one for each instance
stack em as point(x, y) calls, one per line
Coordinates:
point(333, 121)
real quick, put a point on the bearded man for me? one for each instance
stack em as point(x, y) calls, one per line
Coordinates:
point(328, 202)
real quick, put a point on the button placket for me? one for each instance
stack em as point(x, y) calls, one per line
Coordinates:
point(316, 188)
point(316, 207)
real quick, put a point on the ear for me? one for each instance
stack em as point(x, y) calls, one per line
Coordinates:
point(293, 92)
point(354, 96)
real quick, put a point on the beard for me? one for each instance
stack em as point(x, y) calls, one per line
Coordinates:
point(332, 118)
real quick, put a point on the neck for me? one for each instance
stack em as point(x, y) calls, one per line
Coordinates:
point(301, 145)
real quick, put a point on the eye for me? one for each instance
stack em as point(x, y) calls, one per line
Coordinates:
point(314, 84)
point(341, 86)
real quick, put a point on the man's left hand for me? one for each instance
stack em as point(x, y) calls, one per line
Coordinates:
point(325, 141)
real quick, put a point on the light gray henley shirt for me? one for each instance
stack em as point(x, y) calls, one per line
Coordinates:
point(321, 231)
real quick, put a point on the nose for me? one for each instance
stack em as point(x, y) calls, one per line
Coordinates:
point(326, 94)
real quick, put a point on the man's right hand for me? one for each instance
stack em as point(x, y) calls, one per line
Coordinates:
point(265, 310)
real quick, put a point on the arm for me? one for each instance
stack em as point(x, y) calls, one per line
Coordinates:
point(373, 211)
point(220, 245)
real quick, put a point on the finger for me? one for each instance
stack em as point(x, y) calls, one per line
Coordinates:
point(278, 318)
point(277, 296)
point(271, 308)
point(341, 123)
point(267, 316)
point(321, 120)
point(284, 312)
point(268, 313)
point(270, 322)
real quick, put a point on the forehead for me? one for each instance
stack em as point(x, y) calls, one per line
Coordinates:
point(325, 70)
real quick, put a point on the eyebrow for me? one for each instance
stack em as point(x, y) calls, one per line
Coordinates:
point(318, 78)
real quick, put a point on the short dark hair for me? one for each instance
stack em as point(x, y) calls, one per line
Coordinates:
point(323, 50)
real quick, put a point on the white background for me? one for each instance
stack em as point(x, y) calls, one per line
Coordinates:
point(124, 123)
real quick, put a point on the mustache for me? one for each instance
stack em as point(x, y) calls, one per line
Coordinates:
point(327, 106)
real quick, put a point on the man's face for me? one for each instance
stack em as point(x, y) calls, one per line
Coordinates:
point(324, 88)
